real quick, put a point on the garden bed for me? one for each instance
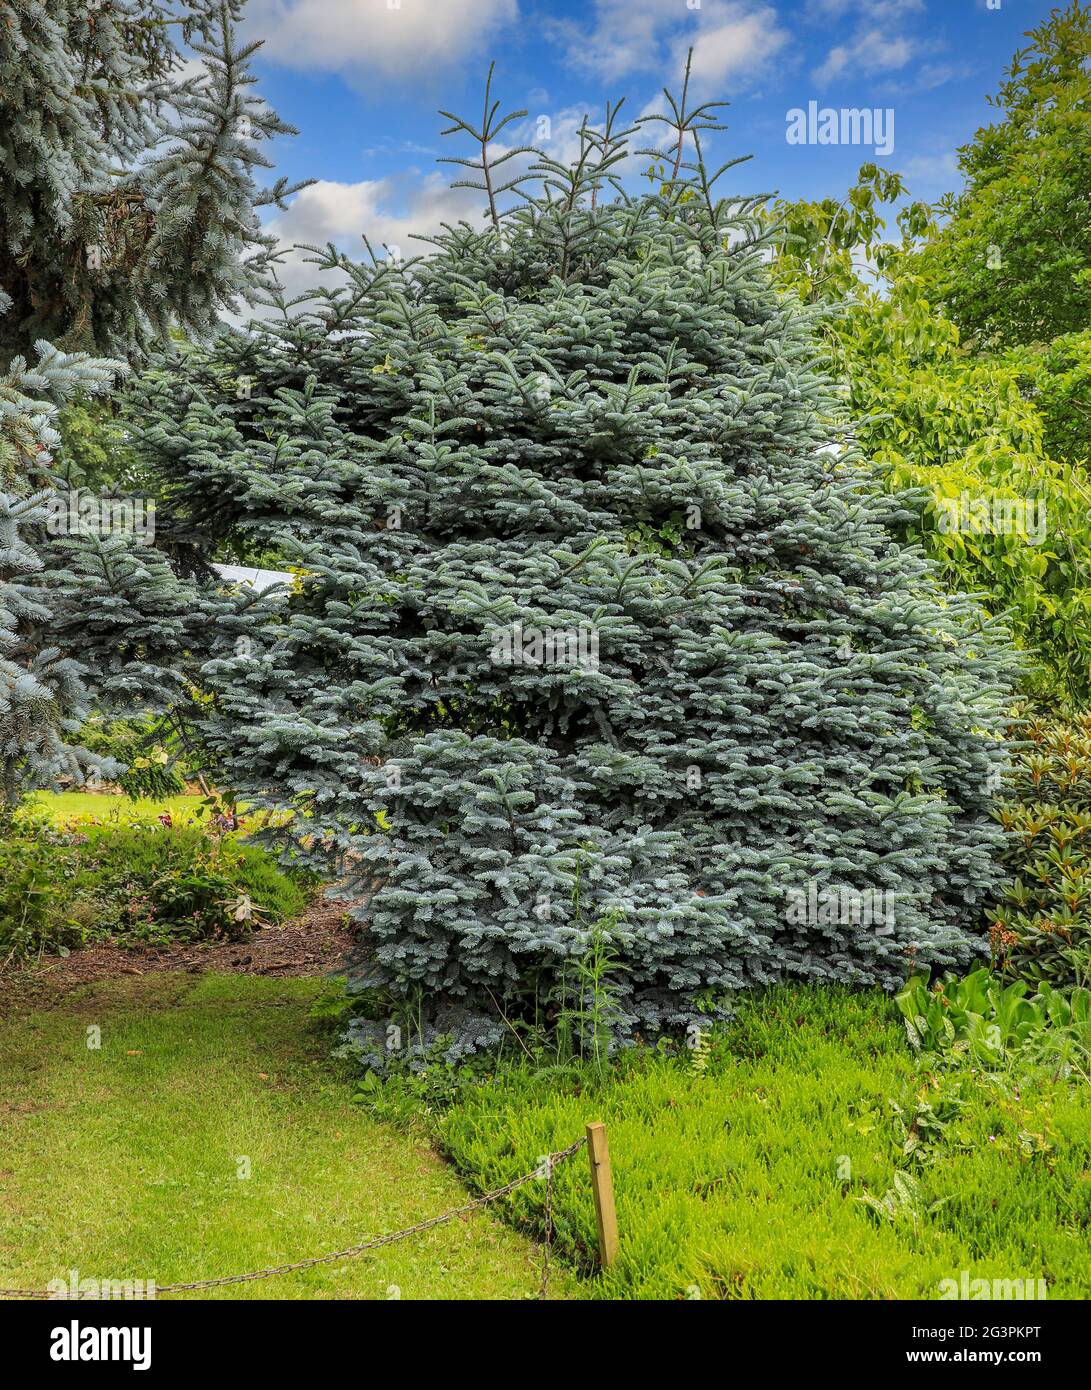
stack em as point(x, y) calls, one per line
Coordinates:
point(315, 944)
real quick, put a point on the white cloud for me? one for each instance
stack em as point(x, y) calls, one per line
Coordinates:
point(735, 47)
point(624, 37)
point(388, 211)
point(363, 38)
point(925, 77)
point(873, 10)
point(869, 53)
point(932, 172)
point(731, 39)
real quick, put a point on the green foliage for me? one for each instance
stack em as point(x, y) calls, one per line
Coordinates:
point(93, 451)
point(1056, 378)
point(588, 1007)
point(127, 207)
point(822, 246)
point(127, 197)
point(743, 1182)
point(1041, 926)
point(602, 419)
point(149, 750)
point(960, 430)
point(1004, 267)
point(902, 1202)
point(960, 438)
point(979, 1015)
point(143, 884)
point(982, 1020)
point(37, 913)
point(1012, 264)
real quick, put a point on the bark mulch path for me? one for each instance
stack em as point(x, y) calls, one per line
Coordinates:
point(316, 944)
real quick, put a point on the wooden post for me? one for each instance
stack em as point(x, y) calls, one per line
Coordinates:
point(603, 1186)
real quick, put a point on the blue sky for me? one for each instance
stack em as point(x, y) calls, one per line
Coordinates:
point(362, 79)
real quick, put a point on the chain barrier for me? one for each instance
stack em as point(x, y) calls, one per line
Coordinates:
point(379, 1241)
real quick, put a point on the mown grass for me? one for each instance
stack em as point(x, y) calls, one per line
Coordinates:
point(124, 1162)
point(742, 1182)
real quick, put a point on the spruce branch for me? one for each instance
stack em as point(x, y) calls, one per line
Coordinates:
point(488, 163)
point(682, 121)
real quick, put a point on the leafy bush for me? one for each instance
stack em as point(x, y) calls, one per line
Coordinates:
point(982, 1019)
point(145, 884)
point(1041, 926)
point(960, 431)
point(153, 765)
point(981, 1015)
point(983, 441)
point(1056, 378)
point(34, 898)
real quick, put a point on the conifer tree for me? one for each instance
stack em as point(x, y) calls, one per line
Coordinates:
point(42, 695)
point(128, 208)
point(127, 197)
point(594, 637)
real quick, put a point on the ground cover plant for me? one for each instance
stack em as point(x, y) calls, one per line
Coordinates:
point(805, 1153)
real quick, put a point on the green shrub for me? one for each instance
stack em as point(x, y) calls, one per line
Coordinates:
point(1056, 377)
point(149, 884)
point(994, 448)
point(980, 1019)
point(150, 755)
point(32, 903)
point(958, 429)
point(1040, 927)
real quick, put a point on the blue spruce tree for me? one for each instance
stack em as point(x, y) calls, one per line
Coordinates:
point(128, 208)
point(127, 193)
point(43, 698)
point(594, 637)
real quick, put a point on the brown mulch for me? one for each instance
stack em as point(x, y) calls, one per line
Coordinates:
point(317, 944)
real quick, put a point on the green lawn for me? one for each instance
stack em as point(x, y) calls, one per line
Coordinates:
point(64, 807)
point(124, 1162)
point(740, 1183)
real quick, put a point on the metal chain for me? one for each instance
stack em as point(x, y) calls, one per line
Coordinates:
point(377, 1243)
